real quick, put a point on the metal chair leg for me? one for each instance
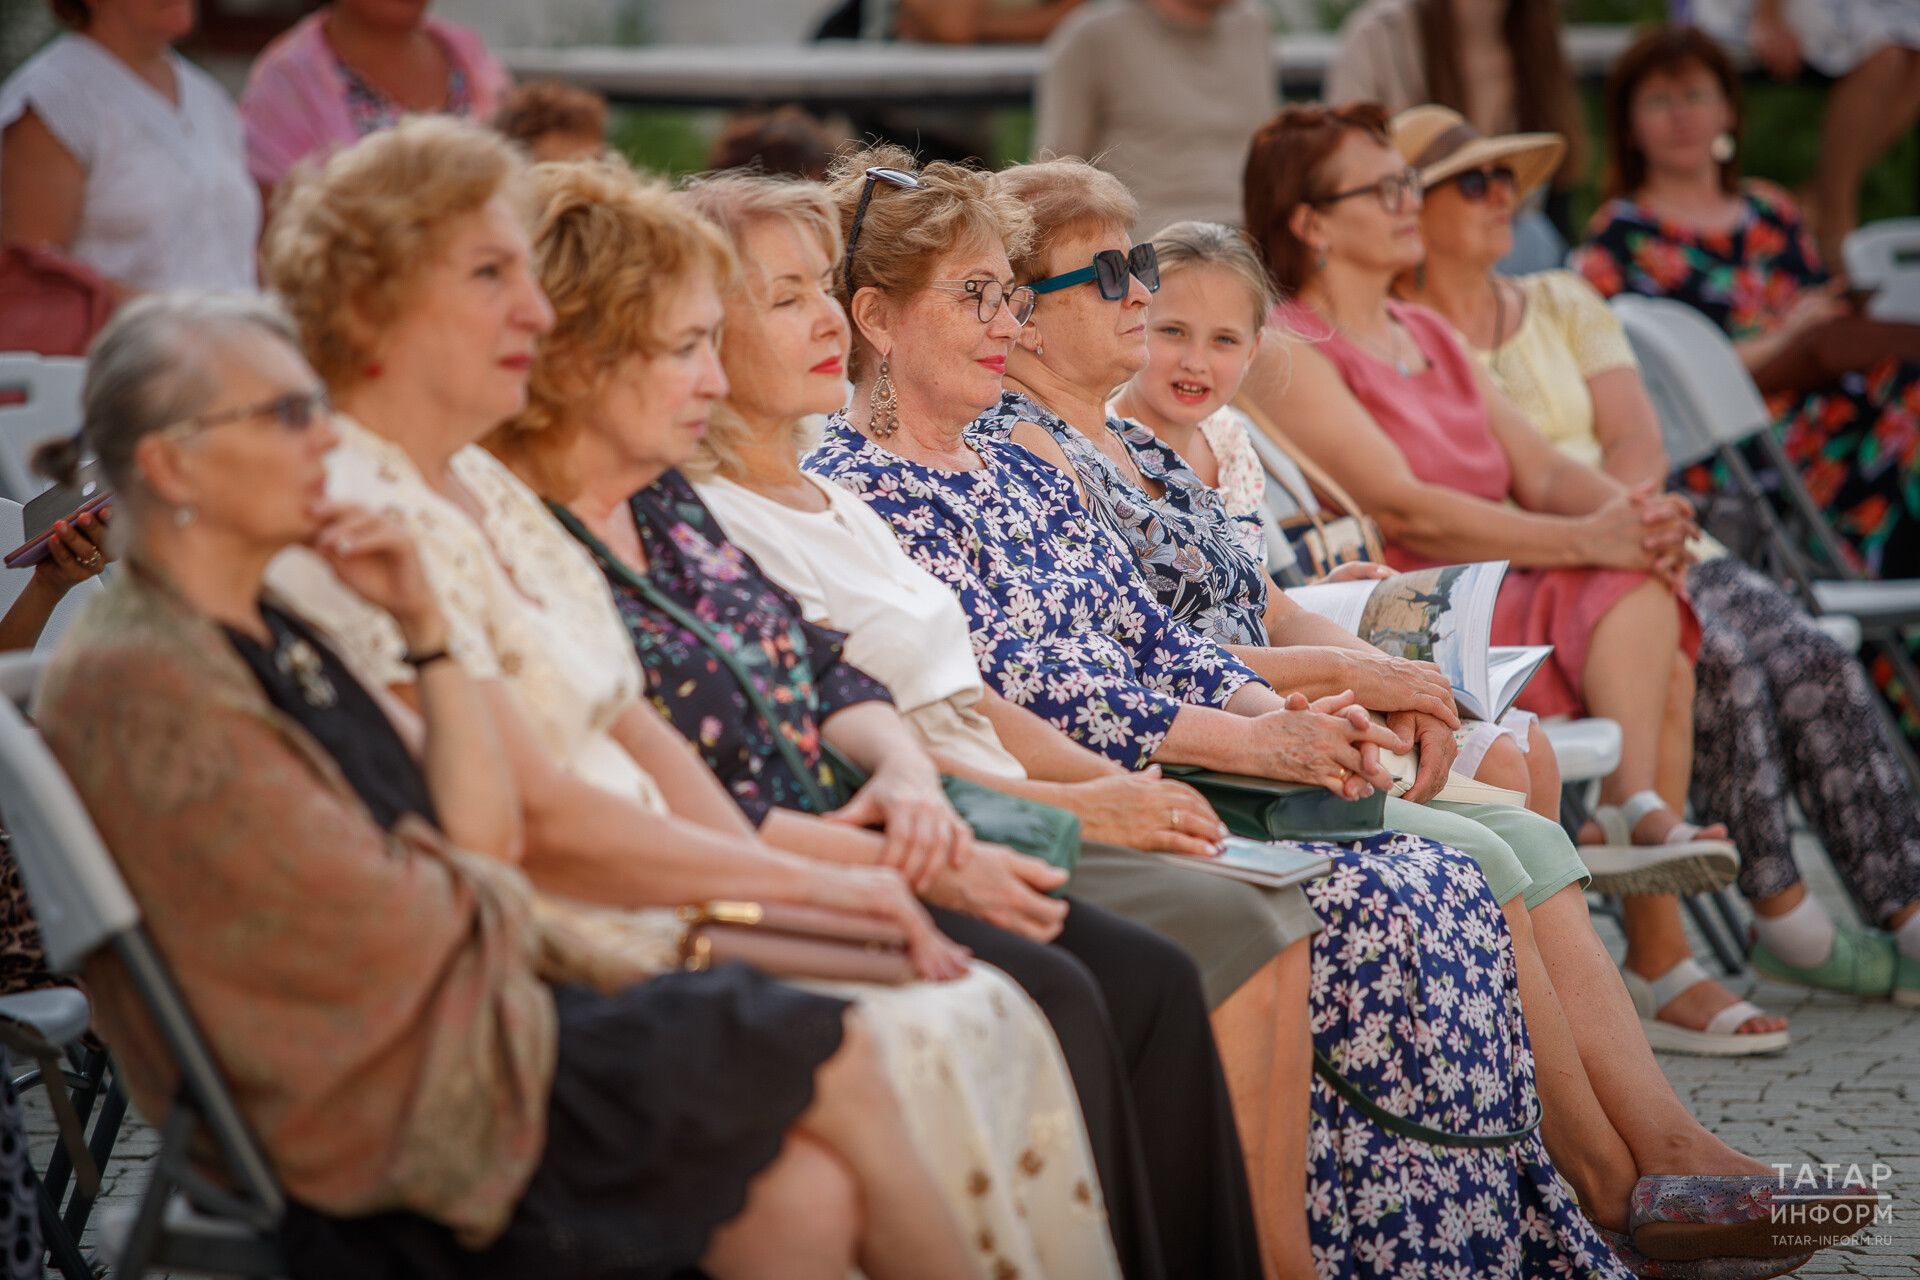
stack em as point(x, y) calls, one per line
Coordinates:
point(1732, 959)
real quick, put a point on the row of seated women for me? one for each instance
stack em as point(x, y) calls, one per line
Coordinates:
point(476, 608)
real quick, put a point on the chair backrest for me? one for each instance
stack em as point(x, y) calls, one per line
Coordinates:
point(14, 581)
point(82, 905)
point(1685, 444)
point(1702, 370)
point(1882, 249)
point(77, 894)
point(39, 398)
point(1897, 300)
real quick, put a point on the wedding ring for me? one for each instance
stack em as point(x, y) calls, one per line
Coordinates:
point(91, 562)
point(1173, 819)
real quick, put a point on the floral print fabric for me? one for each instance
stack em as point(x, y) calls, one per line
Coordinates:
point(796, 666)
point(1062, 624)
point(1414, 999)
point(1192, 553)
point(1856, 442)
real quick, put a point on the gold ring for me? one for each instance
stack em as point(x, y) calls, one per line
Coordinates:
point(91, 562)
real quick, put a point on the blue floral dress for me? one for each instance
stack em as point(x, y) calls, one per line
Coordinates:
point(1062, 625)
point(1413, 996)
point(1191, 552)
point(796, 666)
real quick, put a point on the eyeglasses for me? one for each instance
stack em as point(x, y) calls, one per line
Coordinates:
point(1110, 271)
point(894, 177)
point(991, 296)
point(1392, 190)
point(294, 412)
point(1474, 184)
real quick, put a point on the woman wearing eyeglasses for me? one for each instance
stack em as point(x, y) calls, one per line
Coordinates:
point(1781, 709)
point(1064, 627)
point(1382, 395)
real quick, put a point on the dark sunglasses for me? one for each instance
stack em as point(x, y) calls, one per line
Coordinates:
point(1392, 191)
point(295, 412)
point(1474, 184)
point(990, 296)
point(894, 177)
point(1110, 270)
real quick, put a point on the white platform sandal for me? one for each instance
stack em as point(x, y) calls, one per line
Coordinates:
point(1720, 1039)
point(1682, 863)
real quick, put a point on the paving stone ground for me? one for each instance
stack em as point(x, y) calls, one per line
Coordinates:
point(1847, 1092)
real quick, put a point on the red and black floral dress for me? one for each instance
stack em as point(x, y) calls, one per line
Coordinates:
point(1856, 441)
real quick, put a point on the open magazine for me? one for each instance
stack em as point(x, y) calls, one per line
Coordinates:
point(1442, 615)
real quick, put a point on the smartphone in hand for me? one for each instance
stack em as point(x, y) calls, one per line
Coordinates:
point(88, 492)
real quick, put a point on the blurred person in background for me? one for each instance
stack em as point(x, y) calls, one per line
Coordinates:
point(947, 21)
point(786, 140)
point(1870, 49)
point(1500, 63)
point(1163, 94)
point(118, 152)
point(553, 120)
point(356, 66)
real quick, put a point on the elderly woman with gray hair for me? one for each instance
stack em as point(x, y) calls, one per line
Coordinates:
point(430, 1085)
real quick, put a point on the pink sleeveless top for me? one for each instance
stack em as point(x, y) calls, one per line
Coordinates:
point(1436, 416)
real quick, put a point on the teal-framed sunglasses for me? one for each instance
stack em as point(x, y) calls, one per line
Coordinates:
point(1110, 271)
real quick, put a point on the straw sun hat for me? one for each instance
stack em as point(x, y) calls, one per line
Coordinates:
point(1441, 143)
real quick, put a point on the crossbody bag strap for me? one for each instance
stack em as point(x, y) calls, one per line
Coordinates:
point(1350, 1093)
point(1322, 483)
point(644, 587)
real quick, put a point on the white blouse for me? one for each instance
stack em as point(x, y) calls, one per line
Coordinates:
point(523, 602)
point(904, 627)
point(168, 203)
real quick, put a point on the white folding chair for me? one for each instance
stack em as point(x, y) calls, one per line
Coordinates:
point(39, 399)
point(1897, 300)
point(185, 1220)
point(1708, 407)
point(1880, 250)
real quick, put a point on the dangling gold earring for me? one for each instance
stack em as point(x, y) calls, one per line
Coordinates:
point(883, 405)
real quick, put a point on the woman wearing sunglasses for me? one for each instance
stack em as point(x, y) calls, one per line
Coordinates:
point(1382, 396)
point(1064, 626)
point(1780, 708)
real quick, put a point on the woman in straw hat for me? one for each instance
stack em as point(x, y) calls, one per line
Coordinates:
point(1780, 708)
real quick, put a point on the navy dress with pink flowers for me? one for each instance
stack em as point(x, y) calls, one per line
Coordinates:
point(1413, 996)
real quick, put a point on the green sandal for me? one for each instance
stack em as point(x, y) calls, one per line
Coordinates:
point(1863, 963)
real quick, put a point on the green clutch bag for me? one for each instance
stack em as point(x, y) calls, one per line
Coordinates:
point(1262, 809)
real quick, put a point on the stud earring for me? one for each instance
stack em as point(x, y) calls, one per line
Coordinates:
point(1723, 147)
point(883, 404)
point(183, 515)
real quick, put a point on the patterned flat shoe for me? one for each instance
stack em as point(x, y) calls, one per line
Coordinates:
point(1680, 1217)
point(1701, 1268)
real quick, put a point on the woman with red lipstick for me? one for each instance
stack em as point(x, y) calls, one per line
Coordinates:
point(1064, 626)
point(408, 262)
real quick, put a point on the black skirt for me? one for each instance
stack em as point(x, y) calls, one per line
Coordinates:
point(668, 1099)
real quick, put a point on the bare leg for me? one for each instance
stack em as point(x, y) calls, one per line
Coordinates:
point(907, 1231)
point(802, 1219)
point(1868, 110)
point(1639, 1103)
point(1579, 1136)
point(1543, 767)
point(1505, 765)
point(1656, 936)
point(1266, 1052)
point(1643, 621)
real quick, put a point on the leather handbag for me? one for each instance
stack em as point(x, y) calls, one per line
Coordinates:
point(788, 940)
point(1323, 537)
